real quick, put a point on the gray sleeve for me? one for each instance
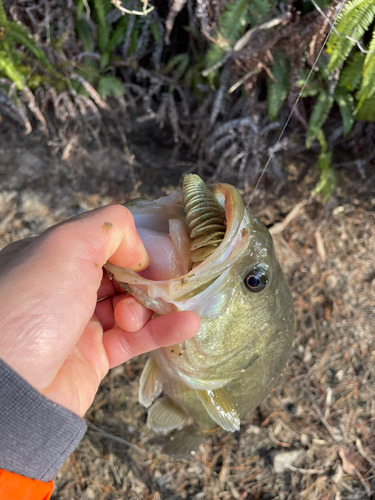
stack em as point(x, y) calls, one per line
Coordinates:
point(36, 435)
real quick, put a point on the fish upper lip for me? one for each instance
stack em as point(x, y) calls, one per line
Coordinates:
point(213, 266)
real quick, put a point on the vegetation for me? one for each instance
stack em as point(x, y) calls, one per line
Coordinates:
point(194, 60)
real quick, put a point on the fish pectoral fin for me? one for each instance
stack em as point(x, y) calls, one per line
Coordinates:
point(221, 408)
point(165, 415)
point(150, 385)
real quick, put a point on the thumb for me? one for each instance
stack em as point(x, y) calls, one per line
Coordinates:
point(48, 290)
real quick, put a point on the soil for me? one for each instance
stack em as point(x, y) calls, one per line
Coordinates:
point(314, 435)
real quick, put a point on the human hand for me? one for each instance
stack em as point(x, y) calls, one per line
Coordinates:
point(54, 333)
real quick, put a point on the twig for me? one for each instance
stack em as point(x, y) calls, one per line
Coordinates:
point(144, 12)
point(90, 89)
point(240, 44)
point(306, 471)
point(244, 78)
point(364, 483)
point(363, 453)
point(244, 40)
point(114, 438)
point(337, 439)
point(320, 246)
point(280, 226)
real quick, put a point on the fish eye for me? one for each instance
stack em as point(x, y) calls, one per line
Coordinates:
point(256, 280)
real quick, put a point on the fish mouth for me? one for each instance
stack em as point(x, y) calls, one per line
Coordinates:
point(182, 287)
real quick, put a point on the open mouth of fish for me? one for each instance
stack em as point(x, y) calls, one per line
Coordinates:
point(193, 238)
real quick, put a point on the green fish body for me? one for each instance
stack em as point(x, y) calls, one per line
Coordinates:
point(244, 301)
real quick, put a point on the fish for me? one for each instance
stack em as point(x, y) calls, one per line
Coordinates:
point(210, 254)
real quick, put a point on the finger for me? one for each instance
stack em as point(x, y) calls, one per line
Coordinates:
point(111, 234)
point(78, 379)
point(67, 259)
point(122, 310)
point(159, 332)
point(9, 253)
point(107, 287)
point(104, 313)
point(129, 314)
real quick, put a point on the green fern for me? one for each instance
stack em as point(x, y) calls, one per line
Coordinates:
point(155, 31)
point(179, 63)
point(258, 10)
point(309, 88)
point(318, 118)
point(353, 22)
point(21, 35)
point(328, 178)
point(110, 86)
point(351, 74)
point(367, 110)
point(79, 9)
point(9, 57)
point(118, 35)
point(232, 21)
point(101, 9)
point(8, 68)
point(231, 24)
point(278, 88)
point(84, 34)
point(359, 73)
point(368, 83)
point(345, 102)
point(3, 16)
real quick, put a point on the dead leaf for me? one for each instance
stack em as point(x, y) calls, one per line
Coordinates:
point(347, 461)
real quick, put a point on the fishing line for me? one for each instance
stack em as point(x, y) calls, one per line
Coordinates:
point(296, 103)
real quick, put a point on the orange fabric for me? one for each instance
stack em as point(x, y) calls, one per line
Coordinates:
point(16, 487)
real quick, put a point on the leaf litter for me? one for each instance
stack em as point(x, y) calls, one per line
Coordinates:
point(320, 422)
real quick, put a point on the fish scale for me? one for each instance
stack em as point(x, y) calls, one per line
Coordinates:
point(246, 309)
point(205, 216)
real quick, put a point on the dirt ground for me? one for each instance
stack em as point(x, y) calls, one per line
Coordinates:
point(314, 436)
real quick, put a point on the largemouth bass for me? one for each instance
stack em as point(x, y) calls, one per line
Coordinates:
point(211, 255)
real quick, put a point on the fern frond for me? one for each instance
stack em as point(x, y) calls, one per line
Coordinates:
point(318, 117)
point(355, 19)
point(3, 16)
point(103, 28)
point(368, 83)
point(110, 86)
point(258, 9)
point(367, 110)
point(134, 37)
point(328, 178)
point(84, 35)
point(345, 102)
point(351, 74)
point(277, 89)
point(179, 62)
point(118, 35)
point(79, 9)
point(155, 31)
point(9, 70)
point(21, 35)
point(233, 21)
point(5, 41)
point(144, 37)
point(231, 25)
point(310, 87)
